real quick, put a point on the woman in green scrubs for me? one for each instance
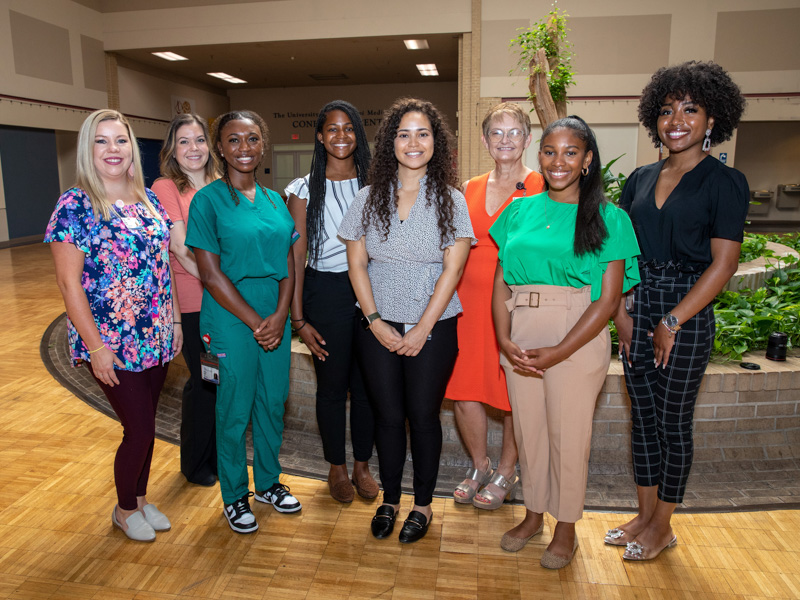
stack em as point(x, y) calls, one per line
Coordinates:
point(241, 234)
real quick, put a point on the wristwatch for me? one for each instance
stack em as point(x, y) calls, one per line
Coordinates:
point(370, 319)
point(670, 321)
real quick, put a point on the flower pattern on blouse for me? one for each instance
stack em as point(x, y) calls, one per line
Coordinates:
point(125, 276)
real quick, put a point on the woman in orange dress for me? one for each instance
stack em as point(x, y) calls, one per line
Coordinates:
point(478, 378)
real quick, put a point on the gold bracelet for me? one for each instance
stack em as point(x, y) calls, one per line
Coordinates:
point(97, 349)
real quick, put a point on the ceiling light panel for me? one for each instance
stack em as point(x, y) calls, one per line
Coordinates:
point(416, 44)
point(226, 77)
point(428, 70)
point(169, 56)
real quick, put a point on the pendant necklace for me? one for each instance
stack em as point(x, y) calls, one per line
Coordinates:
point(546, 220)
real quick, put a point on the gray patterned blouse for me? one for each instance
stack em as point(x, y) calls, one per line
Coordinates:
point(404, 268)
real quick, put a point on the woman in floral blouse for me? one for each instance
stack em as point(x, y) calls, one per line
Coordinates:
point(110, 242)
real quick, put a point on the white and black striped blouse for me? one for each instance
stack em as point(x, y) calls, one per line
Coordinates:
point(338, 197)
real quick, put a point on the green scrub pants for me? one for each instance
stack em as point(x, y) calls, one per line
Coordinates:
point(253, 385)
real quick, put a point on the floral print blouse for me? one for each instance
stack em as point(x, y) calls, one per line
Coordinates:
point(125, 276)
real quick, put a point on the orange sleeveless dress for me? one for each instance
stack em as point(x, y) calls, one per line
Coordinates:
point(477, 375)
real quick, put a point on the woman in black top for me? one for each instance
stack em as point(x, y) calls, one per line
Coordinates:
point(688, 212)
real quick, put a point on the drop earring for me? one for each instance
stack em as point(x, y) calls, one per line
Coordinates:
point(707, 141)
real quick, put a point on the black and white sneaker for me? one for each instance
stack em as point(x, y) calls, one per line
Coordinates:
point(280, 498)
point(240, 517)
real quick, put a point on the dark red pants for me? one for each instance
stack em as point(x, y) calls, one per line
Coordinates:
point(134, 400)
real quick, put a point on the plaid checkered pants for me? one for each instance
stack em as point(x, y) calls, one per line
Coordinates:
point(663, 399)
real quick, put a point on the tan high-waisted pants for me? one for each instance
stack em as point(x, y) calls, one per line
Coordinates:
point(553, 413)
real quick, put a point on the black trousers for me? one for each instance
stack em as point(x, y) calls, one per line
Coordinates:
point(329, 305)
point(198, 417)
point(409, 388)
point(663, 399)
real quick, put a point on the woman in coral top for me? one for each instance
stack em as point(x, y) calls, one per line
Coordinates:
point(187, 166)
point(478, 378)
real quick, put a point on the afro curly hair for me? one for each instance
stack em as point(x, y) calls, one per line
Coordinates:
point(707, 84)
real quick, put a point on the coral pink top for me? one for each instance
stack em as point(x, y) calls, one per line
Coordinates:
point(190, 289)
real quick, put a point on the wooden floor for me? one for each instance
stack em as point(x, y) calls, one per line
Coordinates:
point(57, 541)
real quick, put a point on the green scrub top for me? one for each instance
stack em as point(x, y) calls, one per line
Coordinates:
point(536, 236)
point(252, 239)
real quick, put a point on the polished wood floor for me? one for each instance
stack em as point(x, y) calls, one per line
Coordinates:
point(57, 541)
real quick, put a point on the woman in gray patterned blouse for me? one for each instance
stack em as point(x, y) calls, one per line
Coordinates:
point(408, 235)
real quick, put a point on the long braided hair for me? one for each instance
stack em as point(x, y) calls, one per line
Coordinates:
point(590, 229)
point(315, 212)
point(216, 130)
point(441, 172)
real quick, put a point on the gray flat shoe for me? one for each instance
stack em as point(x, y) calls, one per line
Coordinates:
point(157, 520)
point(139, 530)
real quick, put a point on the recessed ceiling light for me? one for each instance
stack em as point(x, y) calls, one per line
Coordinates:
point(416, 44)
point(428, 70)
point(226, 77)
point(169, 56)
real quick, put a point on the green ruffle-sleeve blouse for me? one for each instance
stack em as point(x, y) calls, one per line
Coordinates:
point(536, 236)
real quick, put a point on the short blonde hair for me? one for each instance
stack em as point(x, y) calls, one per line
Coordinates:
point(506, 108)
point(86, 174)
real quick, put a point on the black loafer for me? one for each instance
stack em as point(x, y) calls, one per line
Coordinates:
point(383, 521)
point(415, 527)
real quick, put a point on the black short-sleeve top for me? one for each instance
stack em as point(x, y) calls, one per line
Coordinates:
point(710, 201)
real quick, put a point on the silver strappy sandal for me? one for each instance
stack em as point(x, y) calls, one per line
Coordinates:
point(474, 474)
point(494, 501)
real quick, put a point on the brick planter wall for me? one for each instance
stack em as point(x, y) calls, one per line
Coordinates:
point(747, 429)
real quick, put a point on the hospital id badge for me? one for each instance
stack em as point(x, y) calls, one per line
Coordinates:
point(131, 222)
point(209, 368)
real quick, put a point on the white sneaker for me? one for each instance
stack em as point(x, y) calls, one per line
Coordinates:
point(280, 498)
point(240, 518)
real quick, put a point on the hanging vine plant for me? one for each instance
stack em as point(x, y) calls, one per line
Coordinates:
point(544, 53)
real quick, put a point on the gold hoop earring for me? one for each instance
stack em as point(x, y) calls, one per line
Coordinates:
point(585, 171)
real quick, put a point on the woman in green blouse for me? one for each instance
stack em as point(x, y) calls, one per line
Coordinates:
point(566, 255)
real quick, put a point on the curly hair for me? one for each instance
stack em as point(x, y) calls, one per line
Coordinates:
point(590, 229)
point(707, 84)
point(169, 164)
point(441, 170)
point(315, 215)
point(216, 129)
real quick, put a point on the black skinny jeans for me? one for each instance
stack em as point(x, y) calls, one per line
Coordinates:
point(329, 305)
point(412, 388)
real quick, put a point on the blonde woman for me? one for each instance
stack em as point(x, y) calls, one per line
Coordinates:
point(186, 166)
point(110, 238)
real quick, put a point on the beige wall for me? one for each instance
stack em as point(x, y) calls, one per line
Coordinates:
point(150, 96)
point(56, 71)
point(289, 111)
point(66, 148)
point(282, 20)
point(618, 44)
point(769, 155)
